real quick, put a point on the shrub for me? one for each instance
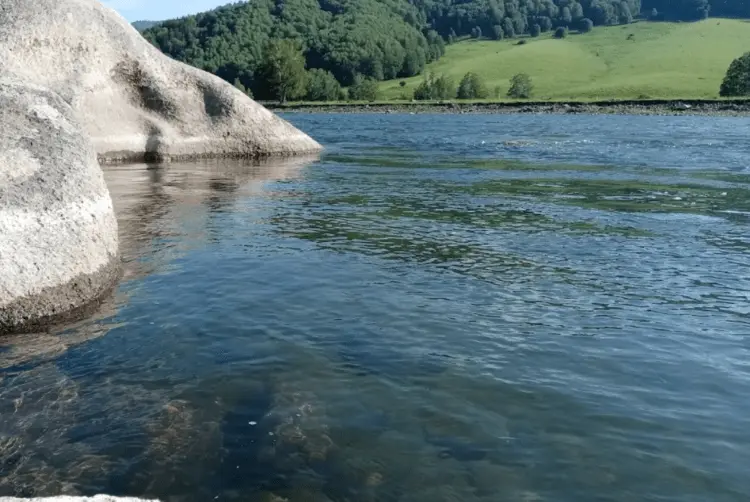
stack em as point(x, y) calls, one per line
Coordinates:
point(585, 25)
point(561, 32)
point(322, 86)
point(521, 87)
point(402, 83)
point(737, 80)
point(363, 89)
point(535, 30)
point(472, 87)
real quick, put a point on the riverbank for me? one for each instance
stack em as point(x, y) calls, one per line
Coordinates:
point(716, 107)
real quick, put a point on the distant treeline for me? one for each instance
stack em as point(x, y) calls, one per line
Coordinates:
point(692, 10)
point(386, 39)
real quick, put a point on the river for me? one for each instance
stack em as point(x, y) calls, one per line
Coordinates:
point(442, 308)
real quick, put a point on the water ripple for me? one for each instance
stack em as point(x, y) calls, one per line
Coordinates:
point(442, 308)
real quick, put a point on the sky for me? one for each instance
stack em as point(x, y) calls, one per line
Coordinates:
point(159, 10)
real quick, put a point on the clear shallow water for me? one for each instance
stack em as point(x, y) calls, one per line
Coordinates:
point(444, 308)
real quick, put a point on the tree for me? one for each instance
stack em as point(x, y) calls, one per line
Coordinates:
point(510, 32)
point(626, 17)
point(445, 88)
point(472, 87)
point(585, 25)
point(561, 32)
point(239, 86)
point(322, 86)
point(476, 32)
point(413, 63)
point(737, 80)
point(435, 45)
point(545, 23)
point(497, 32)
point(566, 17)
point(536, 30)
point(284, 69)
point(435, 87)
point(521, 87)
point(363, 89)
point(576, 10)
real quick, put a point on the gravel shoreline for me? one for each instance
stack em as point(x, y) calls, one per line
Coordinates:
point(728, 108)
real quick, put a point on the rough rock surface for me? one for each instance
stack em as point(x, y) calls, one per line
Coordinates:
point(133, 101)
point(79, 84)
point(58, 233)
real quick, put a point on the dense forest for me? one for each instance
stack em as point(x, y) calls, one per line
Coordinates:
point(385, 39)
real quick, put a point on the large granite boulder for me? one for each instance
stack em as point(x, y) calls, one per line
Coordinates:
point(79, 84)
point(58, 233)
point(132, 100)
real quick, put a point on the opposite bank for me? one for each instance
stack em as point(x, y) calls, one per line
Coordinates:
point(738, 107)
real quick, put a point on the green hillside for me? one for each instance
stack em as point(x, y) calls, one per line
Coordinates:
point(658, 60)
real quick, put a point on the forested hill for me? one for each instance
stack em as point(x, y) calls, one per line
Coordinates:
point(144, 25)
point(385, 39)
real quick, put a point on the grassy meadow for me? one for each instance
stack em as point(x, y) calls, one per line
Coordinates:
point(640, 60)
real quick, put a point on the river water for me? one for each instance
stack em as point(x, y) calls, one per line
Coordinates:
point(442, 308)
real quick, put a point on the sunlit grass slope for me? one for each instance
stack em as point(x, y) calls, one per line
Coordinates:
point(657, 60)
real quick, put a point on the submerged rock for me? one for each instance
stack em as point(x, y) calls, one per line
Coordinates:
point(37, 459)
point(79, 84)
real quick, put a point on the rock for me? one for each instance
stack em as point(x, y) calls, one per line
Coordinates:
point(79, 84)
point(58, 233)
point(132, 100)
